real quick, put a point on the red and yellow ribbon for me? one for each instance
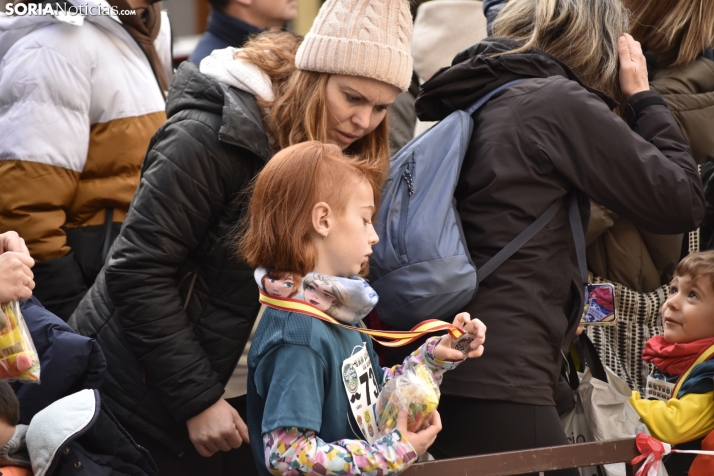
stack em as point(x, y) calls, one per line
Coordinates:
point(395, 338)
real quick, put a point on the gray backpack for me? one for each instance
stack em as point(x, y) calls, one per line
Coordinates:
point(421, 268)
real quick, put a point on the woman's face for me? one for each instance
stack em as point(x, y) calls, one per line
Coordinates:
point(319, 294)
point(355, 107)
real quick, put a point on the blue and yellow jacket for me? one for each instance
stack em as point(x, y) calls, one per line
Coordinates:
point(687, 416)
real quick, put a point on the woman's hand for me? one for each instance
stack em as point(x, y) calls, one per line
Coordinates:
point(217, 428)
point(633, 66)
point(421, 440)
point(16, 279)
point(11, 241)
point(443, 350)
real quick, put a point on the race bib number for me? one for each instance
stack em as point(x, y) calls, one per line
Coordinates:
point(658, 389)
point(362, 391)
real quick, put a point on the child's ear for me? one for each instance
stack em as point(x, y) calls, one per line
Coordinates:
point(322, 219)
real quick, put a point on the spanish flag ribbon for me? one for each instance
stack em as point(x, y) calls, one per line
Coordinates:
point(394, 338)
point(651, 452)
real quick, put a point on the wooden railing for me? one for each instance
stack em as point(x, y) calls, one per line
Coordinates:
point(533, 461)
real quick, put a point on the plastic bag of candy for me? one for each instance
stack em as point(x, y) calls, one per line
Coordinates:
point(416, 392)
point(18, 357)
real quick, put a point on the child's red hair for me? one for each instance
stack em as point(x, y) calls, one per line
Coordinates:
point(278, 232)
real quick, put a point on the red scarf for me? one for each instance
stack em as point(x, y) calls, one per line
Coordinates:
point(674, 359)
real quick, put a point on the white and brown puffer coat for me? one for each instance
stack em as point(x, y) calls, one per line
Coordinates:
point(79, 102)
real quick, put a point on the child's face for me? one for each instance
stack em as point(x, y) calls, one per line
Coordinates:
point(6, 432)
point(319, 294)
point(350, 241)
point(280, 287)
point(688, 313)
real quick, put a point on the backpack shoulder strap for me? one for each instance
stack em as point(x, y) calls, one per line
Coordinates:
point(484, 99)
point(576, 226)
point(520, 240)
point(525, 236)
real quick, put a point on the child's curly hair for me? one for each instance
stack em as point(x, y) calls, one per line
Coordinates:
point(697, 264)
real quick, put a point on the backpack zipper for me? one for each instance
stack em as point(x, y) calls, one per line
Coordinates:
point(406, 195)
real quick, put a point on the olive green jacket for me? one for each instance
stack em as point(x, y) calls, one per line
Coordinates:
point(689, 92)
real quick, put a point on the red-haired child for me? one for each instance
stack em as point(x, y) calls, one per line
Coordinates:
point(311, 216)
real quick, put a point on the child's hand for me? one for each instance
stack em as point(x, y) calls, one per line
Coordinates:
point(443, 350)
point(422, 440)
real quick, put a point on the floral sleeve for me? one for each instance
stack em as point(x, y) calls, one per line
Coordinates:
point(291, 451)
point(423, 355)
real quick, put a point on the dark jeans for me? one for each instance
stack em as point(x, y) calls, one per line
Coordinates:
point(230, 463)
point(473, 427)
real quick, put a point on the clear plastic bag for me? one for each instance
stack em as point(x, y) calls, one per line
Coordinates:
point(18, 357)
point(416, 392)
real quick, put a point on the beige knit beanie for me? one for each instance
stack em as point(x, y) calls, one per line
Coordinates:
point(369, 38)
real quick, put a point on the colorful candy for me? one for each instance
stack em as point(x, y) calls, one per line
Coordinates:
point(416, 392)
point(18, 357)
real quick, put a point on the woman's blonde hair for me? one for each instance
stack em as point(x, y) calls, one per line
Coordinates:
point(677, 31)
point(583, 34)
point(299, 111)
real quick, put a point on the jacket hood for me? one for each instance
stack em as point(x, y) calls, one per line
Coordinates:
point(14, 453)
point(242, 119)
point(228, 67)
point(56, 425)
point(475, 72)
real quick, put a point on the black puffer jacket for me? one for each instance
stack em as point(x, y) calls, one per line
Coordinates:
point(173, 307)
point(532, 143)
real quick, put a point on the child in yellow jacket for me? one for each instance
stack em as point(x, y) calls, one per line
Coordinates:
point(680, 405)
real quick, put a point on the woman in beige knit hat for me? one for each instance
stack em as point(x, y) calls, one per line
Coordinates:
point(334, 86)
point(173, 307)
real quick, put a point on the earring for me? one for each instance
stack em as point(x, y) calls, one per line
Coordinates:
point(325, 237)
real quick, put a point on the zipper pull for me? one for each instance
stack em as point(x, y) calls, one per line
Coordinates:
point(407, 176)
